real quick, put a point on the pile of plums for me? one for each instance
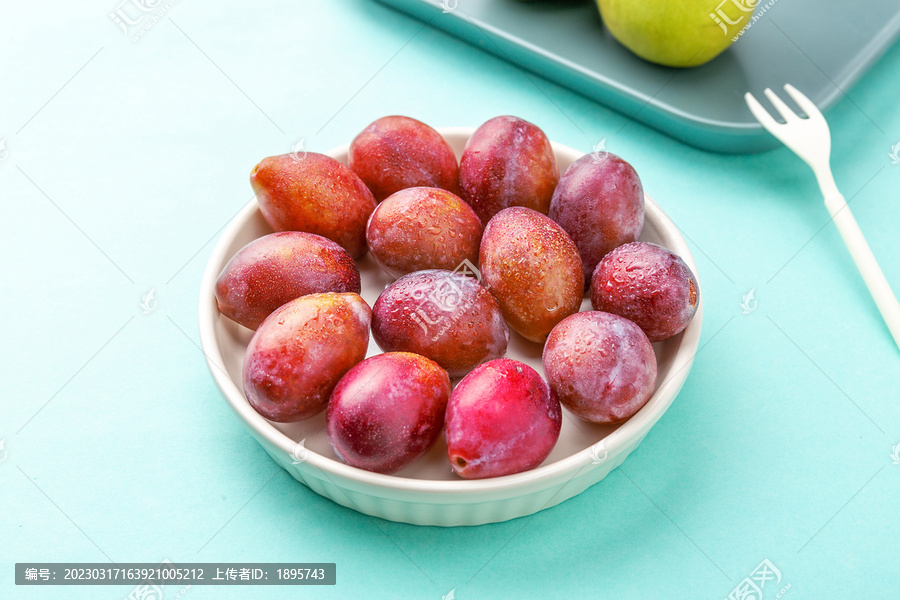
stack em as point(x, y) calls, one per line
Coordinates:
point(495, 241)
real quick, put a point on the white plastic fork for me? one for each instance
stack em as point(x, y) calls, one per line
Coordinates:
point(810, 139)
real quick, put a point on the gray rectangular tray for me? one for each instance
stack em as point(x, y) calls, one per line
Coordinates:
point(821, 47)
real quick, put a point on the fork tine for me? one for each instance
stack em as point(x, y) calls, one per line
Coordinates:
point(783, 109)
point(761, 114)
point(811, 110)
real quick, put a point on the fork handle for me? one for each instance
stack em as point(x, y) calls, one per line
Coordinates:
point(862, 255)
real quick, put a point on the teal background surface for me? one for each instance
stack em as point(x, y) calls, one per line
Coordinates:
point(124, 160)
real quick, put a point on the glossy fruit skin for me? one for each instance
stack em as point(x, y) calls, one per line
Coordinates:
point(648, 284)
point(300, 352)
point(387, 411)
point(395, 153)
point(601, 366)
point(507, 162)
point(314, 193)
point(448, 317)
point(533, 269)
point(502, 418)
point(686, 33)
point(600, 203)
point(279, 267)
point(423, 228)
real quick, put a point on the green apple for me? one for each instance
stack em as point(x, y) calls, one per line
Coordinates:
point(676, 33)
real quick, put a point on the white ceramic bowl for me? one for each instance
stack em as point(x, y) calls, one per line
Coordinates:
point(427, 492)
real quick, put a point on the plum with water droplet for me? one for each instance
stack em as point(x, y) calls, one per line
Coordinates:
point(279, 267)
point(507, 162)
point(533, 269)
point(446, 316)
point(300, 352)
point(601, 366)
point(396, 152)
point(387, 411)
point(502, 418)
point(648, 284)
point(314, 193)
point(423, 228)
point(600, 203)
